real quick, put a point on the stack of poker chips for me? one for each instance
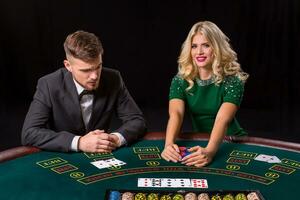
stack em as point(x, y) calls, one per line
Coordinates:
point(116, 195)
point(184, 151)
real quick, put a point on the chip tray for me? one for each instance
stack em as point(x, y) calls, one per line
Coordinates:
point(112, 194)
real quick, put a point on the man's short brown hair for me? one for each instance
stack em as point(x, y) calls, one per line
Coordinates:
point(83, 45)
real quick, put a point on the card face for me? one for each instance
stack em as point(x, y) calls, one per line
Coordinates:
point(113, 162)
point(101, 164)
point(149, 182)
point(267, 158)
point(163, 182)
point(155, 182)
point(199, 183)
point(274, 159)
point(262, 157)
point(176, 183)
point(144, 182)
point(172, 182)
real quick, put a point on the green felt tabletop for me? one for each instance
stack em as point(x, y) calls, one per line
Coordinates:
point(52, 175)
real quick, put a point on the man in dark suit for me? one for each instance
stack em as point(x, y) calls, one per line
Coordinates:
point(73, 106)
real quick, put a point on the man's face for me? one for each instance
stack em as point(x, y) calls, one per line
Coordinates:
point(86, 74)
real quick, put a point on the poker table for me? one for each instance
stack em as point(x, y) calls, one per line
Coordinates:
point(29, 173)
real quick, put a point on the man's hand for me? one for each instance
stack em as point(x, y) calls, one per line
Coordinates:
point(98, 141)
point(199, 157)
point(171, 153)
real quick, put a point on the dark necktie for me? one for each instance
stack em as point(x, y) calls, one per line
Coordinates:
point(85, 92)
point(86, 106)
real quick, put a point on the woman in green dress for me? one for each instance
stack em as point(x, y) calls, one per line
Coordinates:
point(210, 85)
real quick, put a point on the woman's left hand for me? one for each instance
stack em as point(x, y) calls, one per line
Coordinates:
point(199, 157)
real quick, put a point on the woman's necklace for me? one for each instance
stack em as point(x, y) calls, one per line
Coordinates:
point(205, 82)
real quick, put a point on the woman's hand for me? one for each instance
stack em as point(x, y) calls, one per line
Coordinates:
point(199, 157)
point(171, 153)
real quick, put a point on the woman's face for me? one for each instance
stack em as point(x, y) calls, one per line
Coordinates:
point(201, 51)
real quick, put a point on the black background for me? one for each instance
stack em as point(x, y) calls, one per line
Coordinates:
point(142, 39)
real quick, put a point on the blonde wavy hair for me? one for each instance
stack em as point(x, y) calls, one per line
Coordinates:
point(225, 58)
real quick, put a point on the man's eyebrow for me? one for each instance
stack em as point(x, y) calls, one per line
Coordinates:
point(91, 67)
point(85, 69)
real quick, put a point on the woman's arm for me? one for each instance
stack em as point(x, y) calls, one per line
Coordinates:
point(176, 114)
point(225, 115)
point(203, 156)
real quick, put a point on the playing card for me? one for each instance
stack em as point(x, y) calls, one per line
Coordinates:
point(164, 182)
point(199, 183)
point(176, 183)
point(100, 164)
point(172, 182)
point(149, 182)
point(144, 182)
point(155, 182)
point(183, 182)
point(274, 159)
point(262, 157)
point(114, 162)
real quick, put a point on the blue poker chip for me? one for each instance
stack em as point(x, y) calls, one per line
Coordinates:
point(114, 195)
point(186, 153)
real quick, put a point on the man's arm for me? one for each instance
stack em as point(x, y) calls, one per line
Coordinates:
point(35, 130)
point(133, 122)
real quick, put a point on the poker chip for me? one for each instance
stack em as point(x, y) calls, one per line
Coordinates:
point(178, 197)
point(140, 196)
point(114, 195)
point(203, 196)
point(152, 196)
point(253, 196)
point(183, 151)
point(190, 196)
point(240, 196)
point(127, 196)
point(216, 197)
point(182, 148)
point(228, 197)
point(165, 197)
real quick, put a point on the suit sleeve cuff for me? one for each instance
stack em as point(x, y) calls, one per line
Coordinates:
point(74, 144)
point(122, 140)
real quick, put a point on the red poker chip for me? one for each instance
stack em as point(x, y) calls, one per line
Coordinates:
point(182, 148)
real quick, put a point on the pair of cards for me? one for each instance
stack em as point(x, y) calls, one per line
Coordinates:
point(267, 158)
point(172, 182)
point(113, 162)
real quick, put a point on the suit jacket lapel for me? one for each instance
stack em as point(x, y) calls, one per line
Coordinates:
point(71, 102)
point(99, 103)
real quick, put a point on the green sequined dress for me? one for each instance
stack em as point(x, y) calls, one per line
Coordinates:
point(204, 99)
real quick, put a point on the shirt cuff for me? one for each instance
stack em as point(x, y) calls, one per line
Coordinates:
point(74, 144)
point(122, 140)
